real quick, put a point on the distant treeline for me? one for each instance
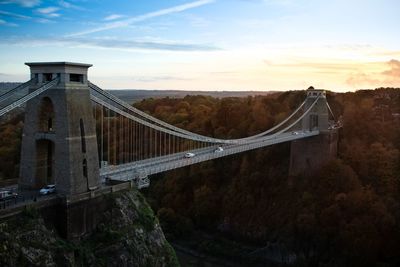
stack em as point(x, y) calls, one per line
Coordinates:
point(134, 95)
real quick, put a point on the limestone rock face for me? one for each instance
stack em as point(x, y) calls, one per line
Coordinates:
point(25, 241)
point(129, 235)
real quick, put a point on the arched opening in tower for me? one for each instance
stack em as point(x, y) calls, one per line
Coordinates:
point(83, 140)
point(46, 115)
point(313, 122)
point(44, 163)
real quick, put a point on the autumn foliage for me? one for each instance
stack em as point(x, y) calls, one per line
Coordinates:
point(345, 215)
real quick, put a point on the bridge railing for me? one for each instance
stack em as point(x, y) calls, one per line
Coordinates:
point(28, 97)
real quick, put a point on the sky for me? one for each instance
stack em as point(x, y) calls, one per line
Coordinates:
point(338, 45)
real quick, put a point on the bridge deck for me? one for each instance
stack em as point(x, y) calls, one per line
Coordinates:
point(129, 171)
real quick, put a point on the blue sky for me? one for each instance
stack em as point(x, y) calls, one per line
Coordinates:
point(208, 44)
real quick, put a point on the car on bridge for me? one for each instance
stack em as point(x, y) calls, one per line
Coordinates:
point(219, 149)
point(189, 155)
point(48, 189)
point(6, 195)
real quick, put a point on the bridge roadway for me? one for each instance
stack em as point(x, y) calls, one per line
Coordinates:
point(129, 171)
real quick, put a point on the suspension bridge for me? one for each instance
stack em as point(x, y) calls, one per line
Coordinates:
point(77, 135)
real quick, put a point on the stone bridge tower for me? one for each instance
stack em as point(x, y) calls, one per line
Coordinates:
point(308, 155)
point(318, 118)
point(59, 137)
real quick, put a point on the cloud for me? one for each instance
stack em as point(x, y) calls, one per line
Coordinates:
point(44, 21)
point(19, 16)
point(362, 79)
point(49, 11)
point(394, 71)
point(154, 14)
point(151, 45)
point(110, 43)
point(23, 3)
point(66, 4)
point(5, 23)
point(327, 67)
point(13, 15)
point(113, 17)
point(390, 53)
point(388, 77)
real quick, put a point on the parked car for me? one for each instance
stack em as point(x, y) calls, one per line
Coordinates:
point(189, 155)
point(5, 195)
point(48, 189)
point(219, 149)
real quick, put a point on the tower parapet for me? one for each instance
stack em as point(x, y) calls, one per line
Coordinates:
point(71, 75)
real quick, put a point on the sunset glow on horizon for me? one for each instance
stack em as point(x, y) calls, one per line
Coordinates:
point(208, 44)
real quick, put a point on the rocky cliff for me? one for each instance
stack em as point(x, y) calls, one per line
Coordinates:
point(129, 235)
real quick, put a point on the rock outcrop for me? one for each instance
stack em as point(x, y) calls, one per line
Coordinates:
point(129, 235)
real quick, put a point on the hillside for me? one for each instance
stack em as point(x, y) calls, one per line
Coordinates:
point(345, 215)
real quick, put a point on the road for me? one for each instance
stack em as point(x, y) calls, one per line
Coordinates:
point(24, 197)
